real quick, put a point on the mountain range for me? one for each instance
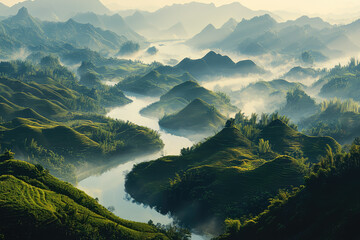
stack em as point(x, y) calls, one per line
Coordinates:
point(263, 34)
point(194, 15)
point(24, 31)
point(56, 10)
point(213, 64)
point(114, 23)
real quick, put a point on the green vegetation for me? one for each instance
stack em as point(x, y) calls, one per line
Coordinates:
point(342, 82)
point(48, 118)
point(25, 31)
point(250, 158)
point(197, 118)
point(338, 119)
point(35, 205)
point(128, 48)
point(272, 92)
point(300, 73)
point(181, 95)
point(325, 208)
point(213, 64)
point(299, 105)
point(152, 84)
point(107, 68)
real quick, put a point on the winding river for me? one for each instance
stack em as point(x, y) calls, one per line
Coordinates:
point(109, 187)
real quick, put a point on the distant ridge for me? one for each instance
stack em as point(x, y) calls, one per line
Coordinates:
point(59, 10)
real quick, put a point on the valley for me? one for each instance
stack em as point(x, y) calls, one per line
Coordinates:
point(192, 120)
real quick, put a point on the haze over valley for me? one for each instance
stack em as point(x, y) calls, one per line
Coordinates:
point(179, 119)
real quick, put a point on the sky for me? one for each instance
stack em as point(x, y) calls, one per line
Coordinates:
point(301, 6)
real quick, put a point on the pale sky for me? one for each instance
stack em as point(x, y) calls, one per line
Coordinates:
point(302, 6)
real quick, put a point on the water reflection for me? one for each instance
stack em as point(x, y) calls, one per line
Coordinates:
point(109, 187)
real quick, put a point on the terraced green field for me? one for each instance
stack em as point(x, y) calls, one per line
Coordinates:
point(44, 207)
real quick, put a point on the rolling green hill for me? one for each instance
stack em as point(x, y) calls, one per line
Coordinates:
point(227, 175)
point(286, 140)
point(152, 84)
point(181, 95)
point(325, 208)
point(299, 105)
point(49, 118)
point(213, 64)
point(336, 118)
point(35, 205)
point(197, 118)
point(272, 93)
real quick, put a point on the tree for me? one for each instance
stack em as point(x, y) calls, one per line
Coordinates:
point(306, 57)
point(7, 155)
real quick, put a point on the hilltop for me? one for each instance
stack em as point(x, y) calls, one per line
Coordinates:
point(251, 167)
point(59, 10)
point(23, 30)
point(48, 117)
point(181, 95)
point(32, 199)
point(213, 64)
point(309, 212)
point(197, 118)
point(153, 83)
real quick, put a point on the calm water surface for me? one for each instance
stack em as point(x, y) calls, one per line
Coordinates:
point(109, 187)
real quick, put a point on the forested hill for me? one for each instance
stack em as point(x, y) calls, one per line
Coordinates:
point(35, 205)
point(251, 160)
point(327, 207)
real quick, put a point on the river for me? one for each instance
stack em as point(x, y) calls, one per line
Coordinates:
point(109, 187)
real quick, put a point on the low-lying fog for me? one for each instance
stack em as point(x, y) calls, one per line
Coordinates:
point(172, 52)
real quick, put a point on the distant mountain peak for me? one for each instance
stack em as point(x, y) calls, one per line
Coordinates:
point(216, 58)
point(23, 12)
point(211, 54)
point(231, 24)
point(209, 27)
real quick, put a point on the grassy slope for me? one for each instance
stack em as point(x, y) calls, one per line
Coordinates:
point(26, 109)
point(326, 208)
point(181, 95)
point(196, 186)
point(33, 204)
point(196, 117)
point(286, 140)
point(226, 163)
point(152, 84)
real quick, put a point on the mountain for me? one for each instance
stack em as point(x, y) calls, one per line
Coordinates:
point(213, 64)
point(336, 118)
point(300, 73)
point(181, 95)
point(209, 36)
point(197, 118)
point(230, 24)
point(264, 35)
point(59, 10)
point(285, 140)
point(176, 31)
point(228, 162)
point(195, 16)
point(302, 213)
point(315, 22)
point(151, 84)
point(299, 105)
point(248, 29)
point(37, 35)
point(265, 96)
point(32, 199)
point(37, 115)
point(114, 23)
